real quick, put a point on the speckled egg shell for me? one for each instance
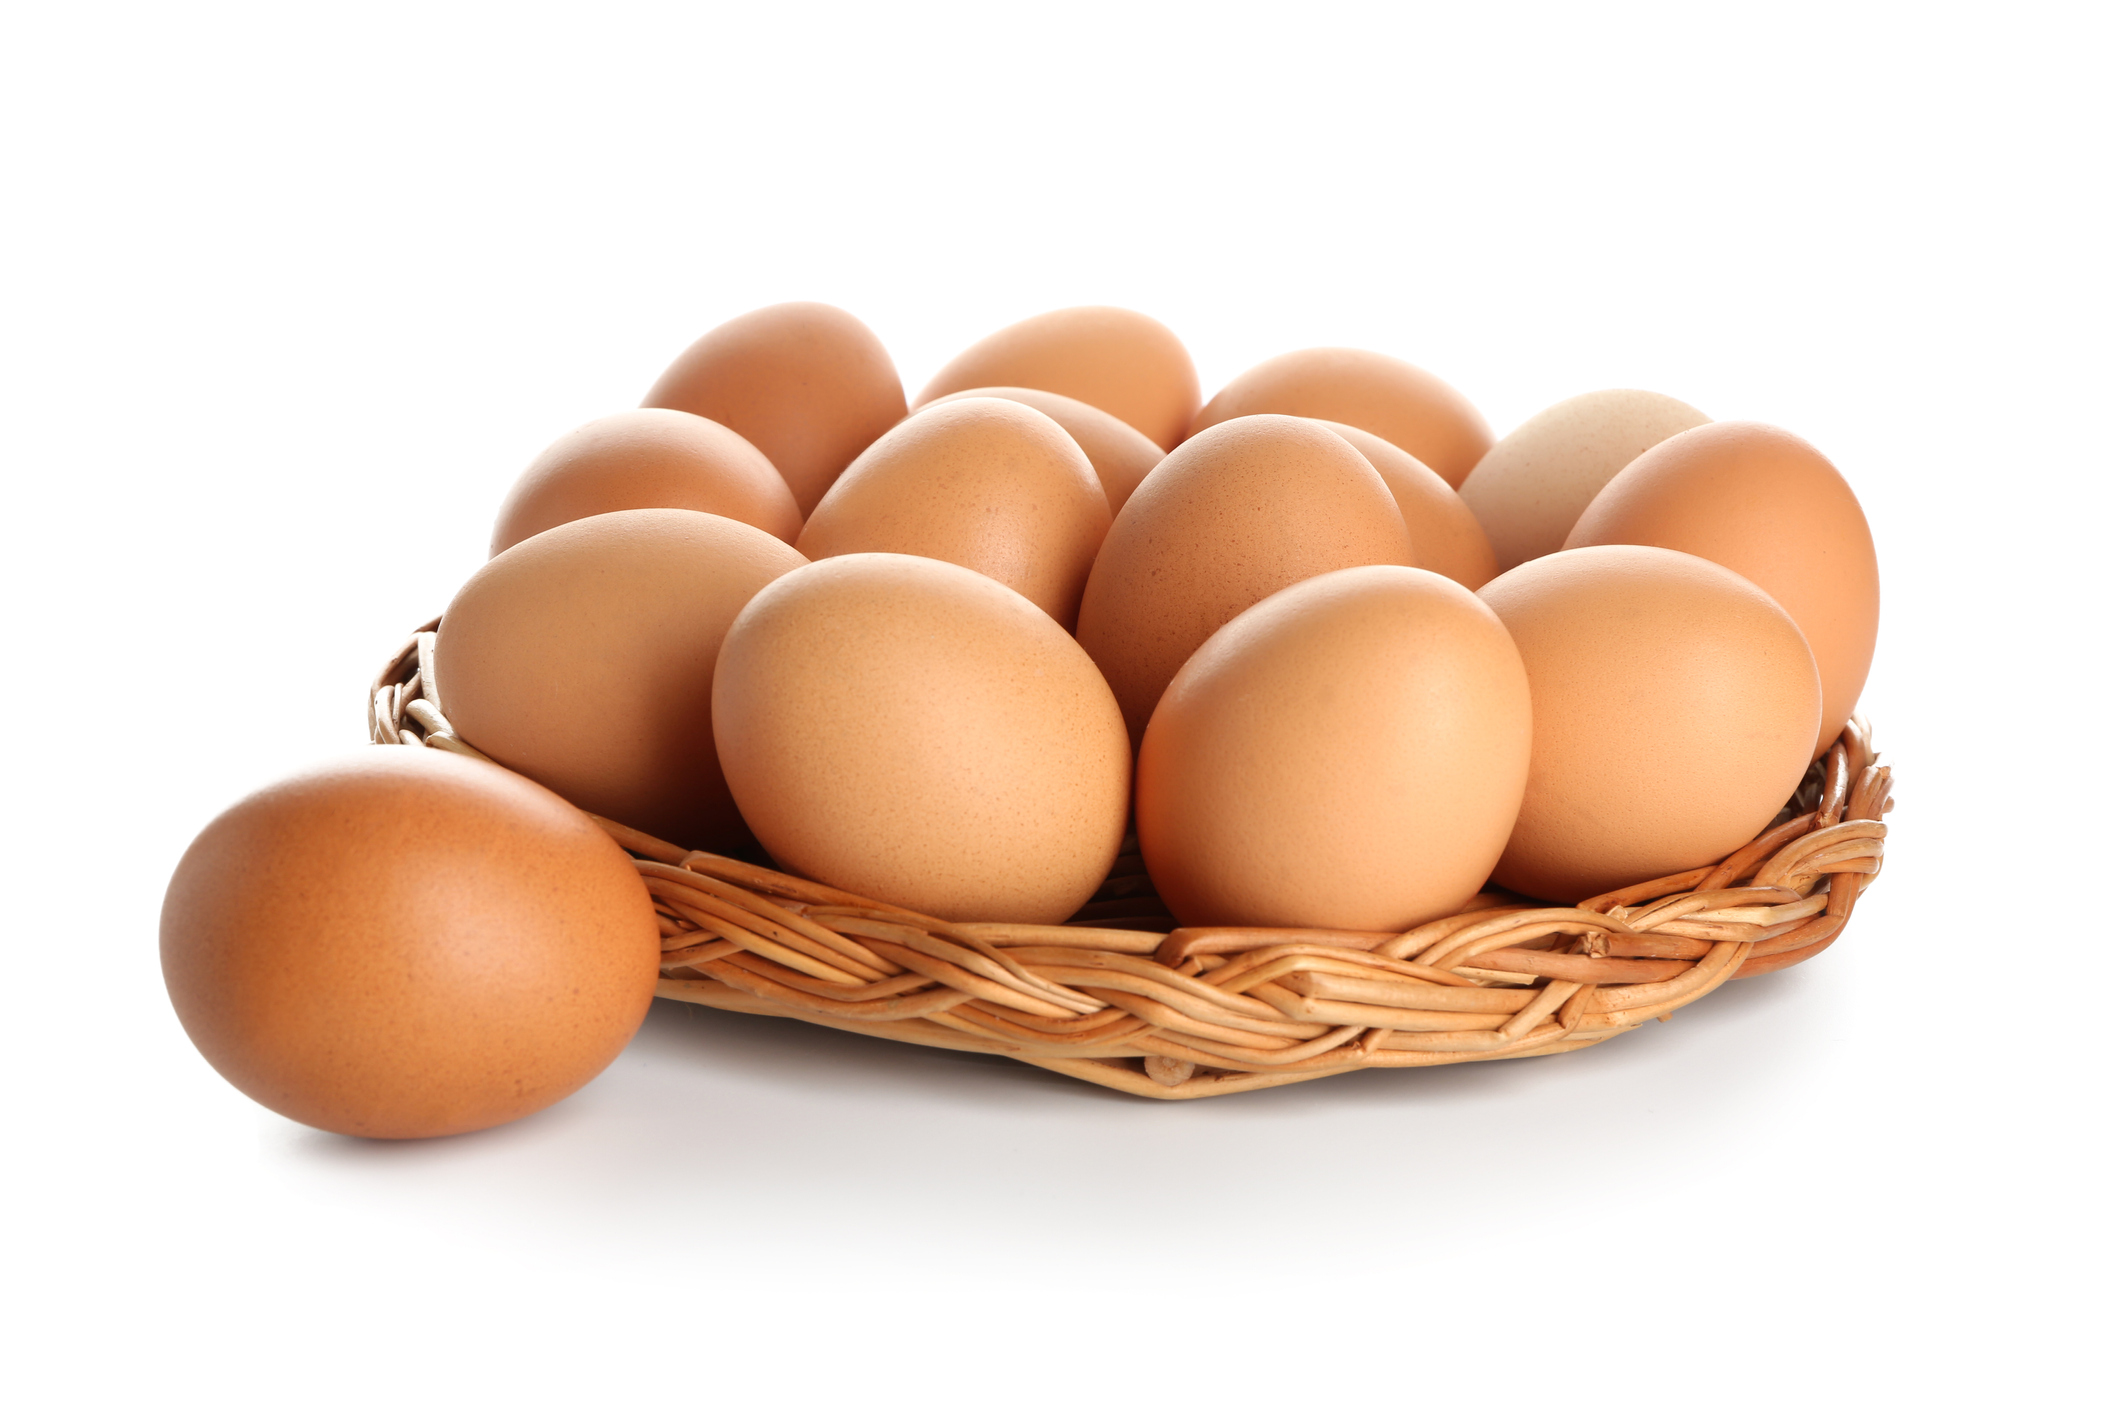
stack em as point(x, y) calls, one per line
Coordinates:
point(1531, 487)
point(1120, 455)
point(404, 943)
point(1248, 507)
point(1765, 503)
point(807, 384)
point(584, 658)
point(1673, 710)
point(987, 483)
point(645, 459)
point(1412, 409)
point(1346, 753)
point(1115, 359)
point(916, 733)
point(1447, 539)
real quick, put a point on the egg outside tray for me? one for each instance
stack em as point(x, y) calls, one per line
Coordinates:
point(1120, 997)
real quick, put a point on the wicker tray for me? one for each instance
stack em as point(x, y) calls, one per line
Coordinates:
point(1122, 997)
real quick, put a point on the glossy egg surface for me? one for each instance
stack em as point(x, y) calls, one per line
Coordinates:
point(1115, 359)
point(646, 459)
point(1673, 710)
point(1407, 406)
point(914, 732)
point(584, 658)
point(1531, 487)
point(404, 943)
point(1248, 507)
point(1120, 455)
point(807, 384)
point(1347, 753)
point(988, 483)
point(1766, 503)
point(1447, 538)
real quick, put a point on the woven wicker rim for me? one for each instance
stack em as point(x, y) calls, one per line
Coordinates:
point(1178, 1013)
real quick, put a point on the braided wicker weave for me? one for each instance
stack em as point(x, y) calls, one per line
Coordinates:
point(1122, 997)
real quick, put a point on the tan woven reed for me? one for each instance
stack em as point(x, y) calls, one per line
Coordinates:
point(1121, 997)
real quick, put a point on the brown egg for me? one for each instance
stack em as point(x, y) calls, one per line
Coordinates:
point(404, 943)
point(584, 658)
point(1243, 509)
point(1446, 537)
point(1120, 455)
point(986, 483)
point(1673, 710)
point(1415, 411)
point(1346, 753)
point(807, 384)
point(646, 459)
point(916, 733)
point(1532, 485)
point(1115, 359)
point(1765, 503)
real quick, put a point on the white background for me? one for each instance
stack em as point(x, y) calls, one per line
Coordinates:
point(292, 293)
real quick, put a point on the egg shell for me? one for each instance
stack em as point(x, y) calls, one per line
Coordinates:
point(584, 658)
point(1763, 502)
point(916, 733)
point(987, 483)
point(405, 943)
point(1347, 753)
point(1531, 487)
point(1447, 539)
point(645, 459)
point(1243, 509)
point(1115, 359)
point(1673, 710)
point(1412, 409)
point(807, 384)
point(1120, 455)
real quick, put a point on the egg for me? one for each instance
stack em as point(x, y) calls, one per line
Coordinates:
point(807, 384)
point(1528, 491)
point(1765, 503)
point(1114, 359)
point(1120, 455)
point(584, 658)
point(987, 483)
point(1673, 710)
point(914, 732)
point(1347, 753)
point(645, 459)
point(1241, 510)
point(1412, 409)
point(1447, 539)
point(405, 943)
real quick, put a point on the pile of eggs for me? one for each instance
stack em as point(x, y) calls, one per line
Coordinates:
point(1338, 656)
